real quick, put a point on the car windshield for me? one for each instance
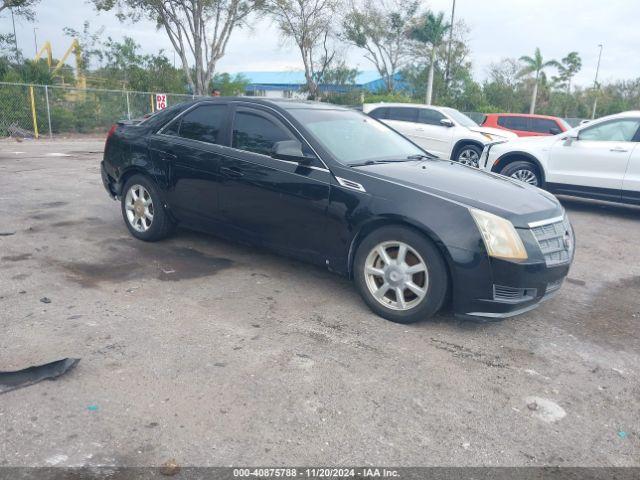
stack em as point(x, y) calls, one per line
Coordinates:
point(354, 138)
point(459, 118)
point(564, 123)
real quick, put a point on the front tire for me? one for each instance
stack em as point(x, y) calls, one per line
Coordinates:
point(400, 274)
point(143, 211)
point(524, 171)
point(469, 155)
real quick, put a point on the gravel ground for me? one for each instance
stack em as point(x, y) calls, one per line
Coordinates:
point(218, 354)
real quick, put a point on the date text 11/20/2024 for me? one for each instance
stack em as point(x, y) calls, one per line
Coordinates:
point(316, 472)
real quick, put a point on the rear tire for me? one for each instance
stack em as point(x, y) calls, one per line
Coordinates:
point(143, 210)
point(524, 171)
point(411, 284)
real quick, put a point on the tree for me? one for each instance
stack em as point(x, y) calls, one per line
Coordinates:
point(537, 65)
point(568, 68)
point(429, 30)
point(21, 8)
point(229, 85)
point(339, 74)
point(199, 30)
point(309, 24)
point(380, 30)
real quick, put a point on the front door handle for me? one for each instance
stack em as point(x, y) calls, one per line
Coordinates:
point(619, 149)
point(231, 172)
point(167, 155)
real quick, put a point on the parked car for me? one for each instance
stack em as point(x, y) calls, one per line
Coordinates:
point(526, 125)
point(442, 131)
point(337, 188)
point(599, 159)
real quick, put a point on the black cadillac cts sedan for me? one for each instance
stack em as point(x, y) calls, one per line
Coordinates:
point(337, 188)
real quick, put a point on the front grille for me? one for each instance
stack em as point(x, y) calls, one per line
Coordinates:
point(555, 240)
point(505, 294)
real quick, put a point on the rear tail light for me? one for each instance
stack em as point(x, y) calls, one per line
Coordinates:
point(112, 130)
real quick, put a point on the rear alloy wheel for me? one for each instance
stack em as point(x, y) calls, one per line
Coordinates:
point(469, 155)
point(400, 274)
point(143, 211)
point(523, 171)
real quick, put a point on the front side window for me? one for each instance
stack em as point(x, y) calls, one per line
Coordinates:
point(403, 114)
point(623, 130)
point(459, 117)
point(543, 125)
point(256, 133)
point(352, 137)
point(430, 117)
point(204, 123)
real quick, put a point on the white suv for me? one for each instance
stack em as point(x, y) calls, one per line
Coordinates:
point(600, 159)
point(443, 131)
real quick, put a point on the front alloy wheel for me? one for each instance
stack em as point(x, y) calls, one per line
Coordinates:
point(400, 274)
point(396, 275)
point(469, 155)
point(526, 176)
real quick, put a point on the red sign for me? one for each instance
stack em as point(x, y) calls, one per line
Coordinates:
point(161, 101)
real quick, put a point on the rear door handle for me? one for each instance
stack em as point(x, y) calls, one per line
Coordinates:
point(619, 149)
point(231, 172)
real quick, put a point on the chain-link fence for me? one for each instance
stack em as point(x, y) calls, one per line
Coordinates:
point(44, 110)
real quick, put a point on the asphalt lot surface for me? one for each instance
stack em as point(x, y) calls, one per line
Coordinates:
point(218, 354)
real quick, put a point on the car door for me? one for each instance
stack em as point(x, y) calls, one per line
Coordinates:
point(631, 182)
point(189, 148)
point(279, 203)
point(595, 163)
point(521, 126)
point(431, 134)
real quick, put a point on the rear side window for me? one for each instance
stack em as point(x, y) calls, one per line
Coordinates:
point(543, 125)
point(256, 133)
point(403, 114)
point(514, 123)
point(203, 123)
point(430, 117)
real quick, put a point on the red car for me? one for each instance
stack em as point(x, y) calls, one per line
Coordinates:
point(526, 125)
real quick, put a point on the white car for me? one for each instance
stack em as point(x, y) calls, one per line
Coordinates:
point(442, 131)
point(600, 159)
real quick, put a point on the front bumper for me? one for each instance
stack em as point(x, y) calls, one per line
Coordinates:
point(492, 288)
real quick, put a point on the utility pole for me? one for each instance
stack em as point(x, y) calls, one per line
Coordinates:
point(15, 37)
point(35, 39)
point(596, 89)
point(447, 71)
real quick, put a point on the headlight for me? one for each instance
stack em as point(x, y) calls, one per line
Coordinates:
point(499, 235)
point(487, 135)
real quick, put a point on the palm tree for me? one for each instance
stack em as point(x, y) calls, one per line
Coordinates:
point(430, 29)
point(535, 65)
point(571, 64)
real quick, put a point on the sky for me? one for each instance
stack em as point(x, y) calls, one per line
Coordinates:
point(498, 29)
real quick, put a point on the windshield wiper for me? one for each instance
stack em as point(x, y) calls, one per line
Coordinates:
point(377, 162)
point(421, 156)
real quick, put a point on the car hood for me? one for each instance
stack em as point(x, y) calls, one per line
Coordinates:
point(503, 196)
point(494, 132)
point(531, 142)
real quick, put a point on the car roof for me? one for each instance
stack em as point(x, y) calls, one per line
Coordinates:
point(526, 115)
point(283, 103)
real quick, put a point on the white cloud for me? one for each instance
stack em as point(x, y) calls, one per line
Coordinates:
point(499, 28)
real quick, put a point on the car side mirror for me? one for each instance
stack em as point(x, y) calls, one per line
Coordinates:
point(554, 131)
point(445, 122)
point(572, 137)
point(291, 151)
